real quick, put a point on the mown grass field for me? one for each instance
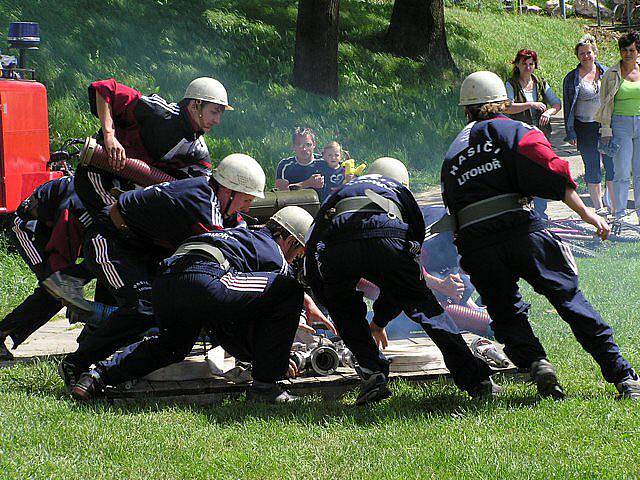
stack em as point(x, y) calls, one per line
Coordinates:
point(387, 106)
point(430, 431)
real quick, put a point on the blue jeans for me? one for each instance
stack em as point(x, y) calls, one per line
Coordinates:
point(626, 132)
point(587, 143)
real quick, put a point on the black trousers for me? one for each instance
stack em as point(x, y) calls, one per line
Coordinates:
point(39, 307)
point(254, 316)
point(548, 266)
point(93, 187)
point(127, 271)
point(391, 264)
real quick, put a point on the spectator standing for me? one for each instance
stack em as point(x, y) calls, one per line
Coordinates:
point(581, 98)
point(532, 102)
point(619, 117)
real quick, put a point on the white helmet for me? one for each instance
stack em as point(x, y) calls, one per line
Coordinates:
point(392, 168)
point(482, 87)
point(208, 90)
point(241, 173)
point(295, 220)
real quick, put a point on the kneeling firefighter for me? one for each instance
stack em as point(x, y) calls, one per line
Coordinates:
point(372, 228)
point(238, 284)
point(126, 242)
point(489, 170)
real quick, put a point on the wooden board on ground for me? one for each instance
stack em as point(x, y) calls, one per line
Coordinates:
point(428, 366)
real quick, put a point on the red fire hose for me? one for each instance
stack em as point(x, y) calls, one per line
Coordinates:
point(135, 170)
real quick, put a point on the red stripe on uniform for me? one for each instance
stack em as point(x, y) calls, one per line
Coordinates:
point(535, 146)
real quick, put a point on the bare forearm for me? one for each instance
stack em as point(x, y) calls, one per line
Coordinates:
point(517, 107)
point(574, 202)
point(105, 116)
point(432, 282)
point(553, 109)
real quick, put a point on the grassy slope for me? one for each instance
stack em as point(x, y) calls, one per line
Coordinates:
point(388, 105)
point(423, 432)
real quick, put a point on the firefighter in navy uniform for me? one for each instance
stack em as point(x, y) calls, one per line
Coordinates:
point(168, 136)
point(372, 228)
point(127, 241)
point(490, 167)
point(49, 227)
point(237, 283)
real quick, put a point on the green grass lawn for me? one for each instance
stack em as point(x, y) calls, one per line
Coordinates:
point(387, 106)
point(429, 431)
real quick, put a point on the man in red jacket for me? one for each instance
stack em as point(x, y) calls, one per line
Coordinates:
point(166, 135)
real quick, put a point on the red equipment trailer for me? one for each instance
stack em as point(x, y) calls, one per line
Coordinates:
point(24, 124)
point(24, 141)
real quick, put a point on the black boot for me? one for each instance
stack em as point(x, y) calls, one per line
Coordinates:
point(544, 376)
point(5, 354)
point(69, 373)
point(373, 387)
point(271, 393)
point(89, 386)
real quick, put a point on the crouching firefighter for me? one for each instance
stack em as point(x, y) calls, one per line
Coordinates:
point(490, 167)
point(372, 228)
point(125, 244)
point(235, 283)
point(49, 227)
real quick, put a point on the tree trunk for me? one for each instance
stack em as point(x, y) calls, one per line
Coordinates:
point(417, 29)
point(315, 67)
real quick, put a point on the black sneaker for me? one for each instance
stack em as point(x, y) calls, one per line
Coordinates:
point(544, 376)
point(5, 354)
point(272, 394)
point(485, 389)
point(373, 388)
point(69, 373)
point(629, 388)
point(89, 385)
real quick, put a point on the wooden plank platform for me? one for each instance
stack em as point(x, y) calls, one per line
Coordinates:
point(210, 389)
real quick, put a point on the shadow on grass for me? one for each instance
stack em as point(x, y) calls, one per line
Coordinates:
point(414, 401)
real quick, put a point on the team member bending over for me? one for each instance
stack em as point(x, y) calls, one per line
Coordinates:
point(372, 228)
point(235, 283)
point(49, 226)
point(490, 167)
point(145, 226)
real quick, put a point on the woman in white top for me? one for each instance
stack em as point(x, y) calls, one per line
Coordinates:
point(581, 97)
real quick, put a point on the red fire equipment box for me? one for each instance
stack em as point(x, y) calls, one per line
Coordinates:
point(24, 141)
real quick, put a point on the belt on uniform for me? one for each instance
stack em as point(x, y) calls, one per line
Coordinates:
point(203, 249)
point(480, 211)
point(117, 218)
point(370, 202)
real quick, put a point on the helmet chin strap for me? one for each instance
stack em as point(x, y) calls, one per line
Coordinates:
point(232, 195)
point(200, 117)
